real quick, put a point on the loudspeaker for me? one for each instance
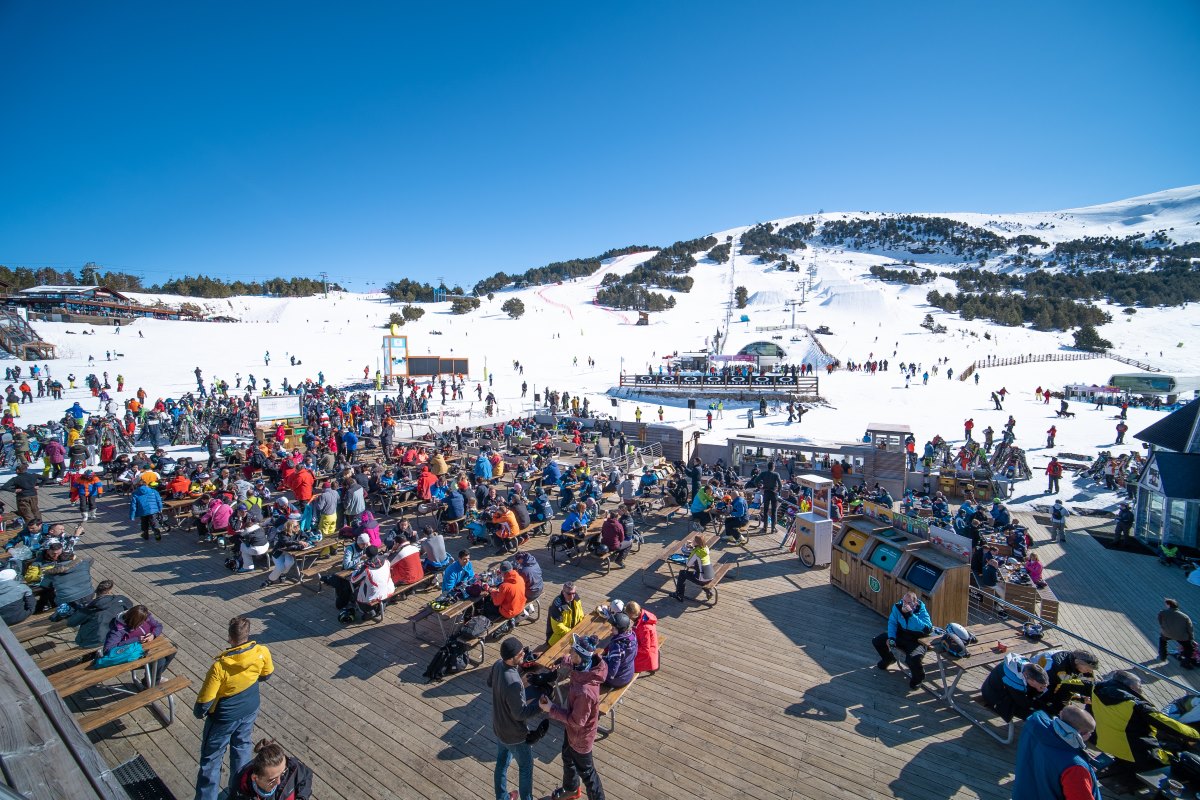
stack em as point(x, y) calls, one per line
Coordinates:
point(691, 403)
point(613, 400)
point(537, 398)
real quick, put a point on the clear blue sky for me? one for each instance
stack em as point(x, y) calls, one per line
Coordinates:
point(386, 140)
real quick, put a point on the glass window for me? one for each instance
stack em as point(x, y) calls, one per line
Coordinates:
point(1176, 524)
point(1154, 518)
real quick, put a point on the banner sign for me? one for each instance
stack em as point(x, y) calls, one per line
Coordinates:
point(281, 407)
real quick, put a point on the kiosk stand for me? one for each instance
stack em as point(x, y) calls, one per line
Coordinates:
point(814, 529)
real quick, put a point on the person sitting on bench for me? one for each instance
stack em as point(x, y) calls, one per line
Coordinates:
point(253, 543)
point(434, 557)
point(504, 528)
point(454, 505)
point(697, 570)
point(577, 520)
point(507, 601)
point(701, 506)
point(565, 613)
point(94, 616)
point(374, 582)
point(16, 598)
point(1070, 673)
point(531, 572)
point(621, 653)
point(646, 485)
point(1130, 729)
point(459, 573)
point(907, 622)
point(612, 534)
point(627, 491)
point(738, 519)
point(405, 560)
point(1016, 687)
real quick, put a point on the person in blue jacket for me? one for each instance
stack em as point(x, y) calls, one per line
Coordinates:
point(145, 505)
point(907, 623)
point(551, 474)
point(459, 573)
point(483, 467)
point(350, 441)
point(1051, 758)
point(1000, 516)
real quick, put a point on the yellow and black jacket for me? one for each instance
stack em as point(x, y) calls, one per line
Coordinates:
point(1123, 719)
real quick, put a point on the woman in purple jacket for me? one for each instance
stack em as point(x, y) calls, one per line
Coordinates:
point(135, 625)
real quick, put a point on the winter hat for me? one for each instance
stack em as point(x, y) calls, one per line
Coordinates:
point(363, 540)
point(53, 543)
point(506, 566)
point(616, 606)
point(1058, 502)
point(8, 575)
point(621, 622)
point(510, 648)
point(585, 646)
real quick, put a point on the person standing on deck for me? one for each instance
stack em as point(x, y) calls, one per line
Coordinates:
point(228, 703)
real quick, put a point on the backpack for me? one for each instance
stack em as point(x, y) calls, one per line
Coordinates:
point(122, 654)
point(1056, 514)
point(951, 645)
point(474, 628)
point(449, 659)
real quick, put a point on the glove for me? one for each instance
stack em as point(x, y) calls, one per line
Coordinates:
point(891, 643)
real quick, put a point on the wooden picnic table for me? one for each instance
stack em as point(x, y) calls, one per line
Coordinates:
point(710, 539)
point(593, 624)
point(306, 559)
point(983, 658)
point(84, 675)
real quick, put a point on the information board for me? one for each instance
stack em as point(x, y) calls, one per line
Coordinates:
point(285, 406)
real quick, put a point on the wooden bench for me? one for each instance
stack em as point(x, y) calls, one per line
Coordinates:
point(37, 627)
point(147, 697)
point(719, 573)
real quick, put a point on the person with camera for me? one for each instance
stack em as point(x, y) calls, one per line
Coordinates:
point(908, 621)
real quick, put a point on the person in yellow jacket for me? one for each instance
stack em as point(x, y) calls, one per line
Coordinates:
point(565, 613)
point(1128, 726)
point(228, 703)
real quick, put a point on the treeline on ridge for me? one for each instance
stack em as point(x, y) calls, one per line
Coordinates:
point(199, 286)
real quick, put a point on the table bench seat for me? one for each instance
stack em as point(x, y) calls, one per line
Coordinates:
point(113, 711)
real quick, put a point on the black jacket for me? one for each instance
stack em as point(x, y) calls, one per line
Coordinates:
point(95, 616)
point(296, 783)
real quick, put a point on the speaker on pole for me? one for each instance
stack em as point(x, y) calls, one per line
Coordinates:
point(613, 400)
point(692, 403)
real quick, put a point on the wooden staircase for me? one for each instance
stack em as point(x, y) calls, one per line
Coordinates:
point(21, 340)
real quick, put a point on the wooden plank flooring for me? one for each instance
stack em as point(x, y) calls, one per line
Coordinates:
point(772, 694)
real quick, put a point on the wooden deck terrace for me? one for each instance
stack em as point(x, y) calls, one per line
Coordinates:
point(771, 695)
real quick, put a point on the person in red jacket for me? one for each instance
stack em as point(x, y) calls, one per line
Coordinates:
point(645, 628)
point(425, 483)
point(300, 483)
point(580, 716)
point(406, 561)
